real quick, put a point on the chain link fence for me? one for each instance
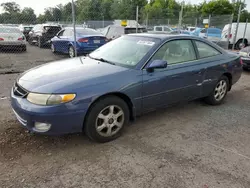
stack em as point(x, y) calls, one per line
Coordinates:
point(57, 36)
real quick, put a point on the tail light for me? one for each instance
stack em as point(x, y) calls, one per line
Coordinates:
point(241, 62)
point(83, 40)
point(20, 38)
point(1, 39)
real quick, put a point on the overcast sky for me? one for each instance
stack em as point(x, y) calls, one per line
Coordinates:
point(39, 5)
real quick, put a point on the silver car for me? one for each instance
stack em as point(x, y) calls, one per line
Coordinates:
point(12, 38)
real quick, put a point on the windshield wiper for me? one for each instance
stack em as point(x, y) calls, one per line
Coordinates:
point(102, 60)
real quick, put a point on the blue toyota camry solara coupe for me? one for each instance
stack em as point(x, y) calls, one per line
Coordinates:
point(134, 74)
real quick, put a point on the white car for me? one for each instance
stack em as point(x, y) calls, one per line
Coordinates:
point(190, 29)
point(239, 38)
point(12, 38)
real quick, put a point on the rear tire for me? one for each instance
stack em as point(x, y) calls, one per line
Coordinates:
point(71, 52)
point(239, 45)
point(219, 92)
point(24, 49)
point(106, 119)
point(53, 49)
point(39, 42)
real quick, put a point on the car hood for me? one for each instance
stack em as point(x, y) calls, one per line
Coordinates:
point(68, 75)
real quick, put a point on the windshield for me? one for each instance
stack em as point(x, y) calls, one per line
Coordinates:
point(27, 28)
point(87, 32)
point(126, 50)
point(9, 30)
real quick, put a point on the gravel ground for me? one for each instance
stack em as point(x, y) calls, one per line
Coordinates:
point(186, 146)
point(14, 61)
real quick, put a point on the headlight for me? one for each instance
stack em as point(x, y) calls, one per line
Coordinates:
point(47, 99)
point(244, 54)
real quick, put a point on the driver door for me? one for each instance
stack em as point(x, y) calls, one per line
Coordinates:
point(180, 81)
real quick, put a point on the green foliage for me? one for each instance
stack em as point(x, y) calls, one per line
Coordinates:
point(121, 9)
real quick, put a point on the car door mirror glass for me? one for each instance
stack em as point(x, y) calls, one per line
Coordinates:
point(158, 64)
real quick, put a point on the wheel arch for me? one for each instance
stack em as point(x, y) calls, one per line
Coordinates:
point(120, 95)
point(230, 77)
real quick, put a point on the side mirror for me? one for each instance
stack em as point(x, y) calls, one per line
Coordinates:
point(157, 64)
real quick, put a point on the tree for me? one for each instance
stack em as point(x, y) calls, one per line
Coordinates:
point(217, 7)
point(11, 7)
point(28, 16)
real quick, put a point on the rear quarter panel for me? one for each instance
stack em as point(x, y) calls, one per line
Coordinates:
point(217, 66)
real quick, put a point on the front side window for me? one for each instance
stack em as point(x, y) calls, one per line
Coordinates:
point(126, 50)
point(204, 31)
point(205, 50)
point(176, 51)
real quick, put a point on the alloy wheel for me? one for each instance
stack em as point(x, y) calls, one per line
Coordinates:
point(220, 90)
point(109, 121)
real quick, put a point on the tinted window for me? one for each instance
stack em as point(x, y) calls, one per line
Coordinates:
point(177, 51)
point(61, 33)
point(158, 28)
point(205, 50)
point(27, 28)
point(133, 30)
point(52, 29)
point(204, 31)
point(126, 50)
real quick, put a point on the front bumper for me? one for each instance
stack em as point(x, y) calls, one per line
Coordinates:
point(63, 118)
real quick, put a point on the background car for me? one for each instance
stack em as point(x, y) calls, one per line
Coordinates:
point(239, 38)
point(114, 31)
point(127, 77)
point(212, 34)
point(12, 38)
point(87, 39)
point(25, 29)
point(245, 56)
point(41, 34)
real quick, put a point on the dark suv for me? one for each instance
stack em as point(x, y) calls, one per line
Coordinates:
point(42, 33)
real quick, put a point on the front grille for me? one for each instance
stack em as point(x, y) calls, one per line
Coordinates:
point(19, 91)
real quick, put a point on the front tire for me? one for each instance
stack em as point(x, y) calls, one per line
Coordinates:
point(219, 92)
point(106, 119)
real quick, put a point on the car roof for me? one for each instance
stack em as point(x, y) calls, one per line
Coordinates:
point(164, 36)
point(79, 28)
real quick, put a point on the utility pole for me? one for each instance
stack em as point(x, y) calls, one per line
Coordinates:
point(180, 16)
point(74, 25)
point(237, 25)
point(137, 15)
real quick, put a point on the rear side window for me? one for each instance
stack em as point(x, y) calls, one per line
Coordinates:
point(205, 50)
point(167, 29)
